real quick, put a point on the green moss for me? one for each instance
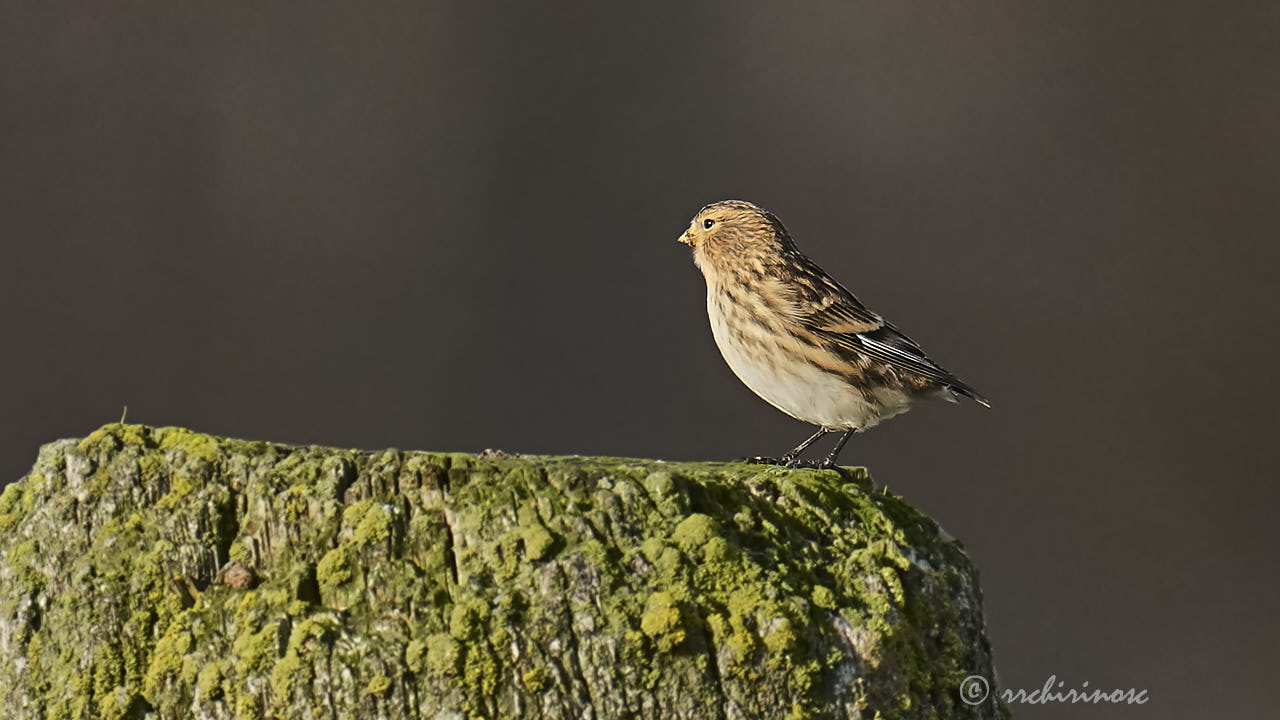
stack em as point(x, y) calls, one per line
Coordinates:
point(694, 531)
point(378, 685)
point(537, 542)
point(255, 650)
point(467, 619)
point(209, 681)
point(98, 437)
point(652, 547)
point(287, 673)
point(237, 552)
point(355, 512)
point(661, 621)
point(193, 444)
point(534, 680)
point(181, 486)
point(152, 470)
point(780, 637)
point(109, 438)
point(138, 435)
point(660, 484)
point(415, 655)
point(296, 669)
point(335, 568)
point(297, 502)
point(595, 552)
point(248, 707)
point(480, 669)
point(374, 525)
point(25, 560)
point(719, 550)
point(443, 653)
point(11, 506)
point(672, 565)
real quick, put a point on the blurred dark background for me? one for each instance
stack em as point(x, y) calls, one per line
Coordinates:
point(453, 227)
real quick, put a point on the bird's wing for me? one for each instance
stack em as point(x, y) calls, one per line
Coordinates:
point(825, 308)
point(821, 304)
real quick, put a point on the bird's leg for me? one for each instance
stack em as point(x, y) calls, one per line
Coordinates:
point(830, 461)
point(789, 459)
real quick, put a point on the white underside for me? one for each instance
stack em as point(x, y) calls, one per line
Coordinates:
point(800, 389)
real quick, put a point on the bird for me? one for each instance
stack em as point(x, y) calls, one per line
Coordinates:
point(798, 339)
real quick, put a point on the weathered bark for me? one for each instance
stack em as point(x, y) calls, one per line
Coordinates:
point(160, 573)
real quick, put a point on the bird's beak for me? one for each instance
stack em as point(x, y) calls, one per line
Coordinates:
point(686, 239)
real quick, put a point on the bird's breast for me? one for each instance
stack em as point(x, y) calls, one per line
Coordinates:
point(794, 376)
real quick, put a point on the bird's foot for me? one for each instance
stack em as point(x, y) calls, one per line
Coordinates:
point(813, 464)
point(761, 460)
point(789, 462)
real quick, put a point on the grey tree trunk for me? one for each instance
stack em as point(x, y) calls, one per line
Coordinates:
point(161, 573)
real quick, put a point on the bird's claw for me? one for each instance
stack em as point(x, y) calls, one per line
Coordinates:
point(813, 464)
point(790, 462)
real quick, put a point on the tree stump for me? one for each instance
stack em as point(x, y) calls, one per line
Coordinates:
point(161, 573)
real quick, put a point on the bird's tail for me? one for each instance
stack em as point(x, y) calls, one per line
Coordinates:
point(959, 388)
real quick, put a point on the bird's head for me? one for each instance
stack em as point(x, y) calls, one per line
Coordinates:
point(732, 228)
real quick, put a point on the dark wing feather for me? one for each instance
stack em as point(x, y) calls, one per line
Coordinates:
point(831, 312)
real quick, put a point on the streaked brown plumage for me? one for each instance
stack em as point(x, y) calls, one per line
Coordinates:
point(798, 338)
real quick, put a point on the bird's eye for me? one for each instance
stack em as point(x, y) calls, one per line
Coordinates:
point(708, 223)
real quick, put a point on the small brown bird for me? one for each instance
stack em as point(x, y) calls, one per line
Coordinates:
point(797, 338)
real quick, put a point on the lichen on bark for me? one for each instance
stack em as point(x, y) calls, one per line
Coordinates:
point(411, 584)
